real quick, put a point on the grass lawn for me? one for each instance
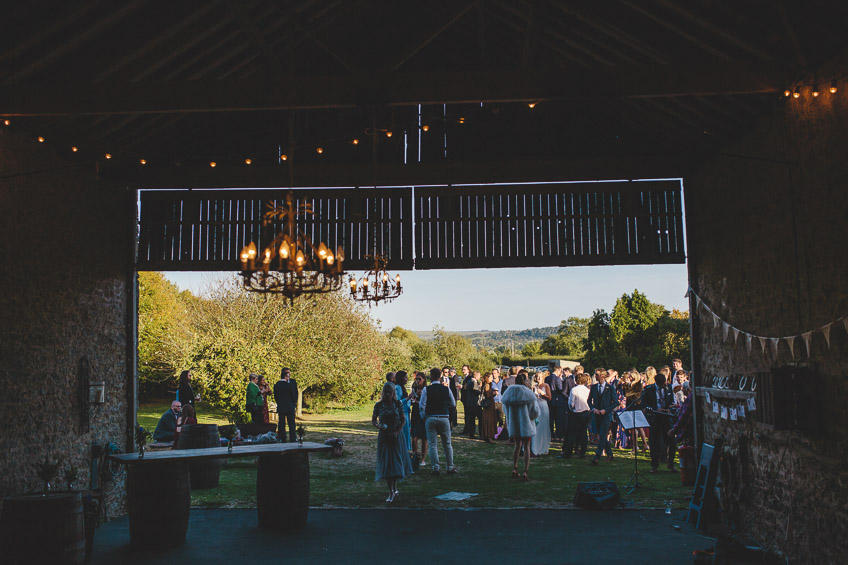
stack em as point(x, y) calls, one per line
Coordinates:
point(483, 469)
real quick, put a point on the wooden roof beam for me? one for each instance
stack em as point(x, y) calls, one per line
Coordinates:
point(391, 89)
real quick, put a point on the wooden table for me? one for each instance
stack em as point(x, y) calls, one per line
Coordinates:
point(159, 492)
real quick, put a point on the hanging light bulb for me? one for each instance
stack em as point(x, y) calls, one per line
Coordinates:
point(797, 93)
point(425, 127)
point(108, 156)
point(248, 161)
point(284, 157)
point(531, 105)
point(6, 122)
point(461, 120)
point(40, 139)
point(355, 141)
point(142, 161)
point(816, 91)
point(832, 90)
point(74, 149)
point(320, 150)
point(389, 133)
point(787, 93)
point(213, 164)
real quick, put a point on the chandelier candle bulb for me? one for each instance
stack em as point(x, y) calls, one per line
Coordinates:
point(832, 89)
point(284, 250)
point(322, 251)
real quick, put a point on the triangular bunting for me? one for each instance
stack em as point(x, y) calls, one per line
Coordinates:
point(808, 338)
point(790, 341)
point(763, 342)
point(687, 293)
point(748, 341)
point(716, 320)
point(735, 334)
point(826, 333)
point(774, 341)
point(697, 303)
point(845, 323)
point(724, 328)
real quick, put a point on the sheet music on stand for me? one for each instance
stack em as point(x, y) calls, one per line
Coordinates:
point(633, 419)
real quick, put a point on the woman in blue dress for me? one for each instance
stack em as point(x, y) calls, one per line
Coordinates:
point(400, 388)
point(392, 458)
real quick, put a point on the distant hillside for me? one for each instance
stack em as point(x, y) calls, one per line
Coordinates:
point(502, 338)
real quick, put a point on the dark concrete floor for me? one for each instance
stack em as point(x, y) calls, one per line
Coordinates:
point(404, 536)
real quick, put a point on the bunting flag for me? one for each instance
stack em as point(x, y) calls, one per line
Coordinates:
point(774, 341)
point(825, 330)
point(808, 338)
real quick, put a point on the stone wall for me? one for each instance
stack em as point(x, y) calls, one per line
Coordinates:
point(65, 284)
point(768, 228)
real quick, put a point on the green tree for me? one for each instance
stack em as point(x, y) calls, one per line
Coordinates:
point(163, 332)
point(531, 349)
point(569, 339)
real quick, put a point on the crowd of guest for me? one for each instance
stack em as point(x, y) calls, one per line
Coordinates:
point(573, 407)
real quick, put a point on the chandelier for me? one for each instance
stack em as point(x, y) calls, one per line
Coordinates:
point(376, 285)
point(291, 265)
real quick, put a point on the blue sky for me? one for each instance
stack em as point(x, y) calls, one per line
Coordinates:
point(507, 299)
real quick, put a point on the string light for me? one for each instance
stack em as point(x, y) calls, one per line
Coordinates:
point(531, 105)
point(816, 91)
point(213, 164)
point(143, 161)
point(787, 93)
point(40, 139)
point(461, 120)
point(389, 133)
point(425, 127)
point(797, 93)
point(355, 141)
point(320, 150)
point(284, 157)
point(832, 91)
point(248, 161)
point(74, 149)
point(108, 155)
point(7, 122)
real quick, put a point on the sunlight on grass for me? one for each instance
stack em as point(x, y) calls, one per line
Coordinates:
point(484, 469)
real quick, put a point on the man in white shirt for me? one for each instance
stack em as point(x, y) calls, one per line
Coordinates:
point(578, 422)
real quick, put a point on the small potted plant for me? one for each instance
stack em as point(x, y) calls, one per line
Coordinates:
point(300, 432)
point(142, 436)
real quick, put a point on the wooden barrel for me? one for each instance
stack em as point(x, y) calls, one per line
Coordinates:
point(42, 529)
point(282, 491)
point(159, 502)
point(204, 474)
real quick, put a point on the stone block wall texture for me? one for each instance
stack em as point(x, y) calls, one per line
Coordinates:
point(767, 236)
point(65, 251)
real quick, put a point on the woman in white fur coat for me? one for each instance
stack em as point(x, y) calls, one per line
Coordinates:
point(521, 412)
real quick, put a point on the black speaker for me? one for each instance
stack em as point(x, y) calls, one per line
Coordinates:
point(597, 496)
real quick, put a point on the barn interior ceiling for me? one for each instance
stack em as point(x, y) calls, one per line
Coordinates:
point(267, 89)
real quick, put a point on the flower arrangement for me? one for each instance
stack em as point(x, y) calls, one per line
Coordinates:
point(142, 436)
point(47, 472)
point(337, 444)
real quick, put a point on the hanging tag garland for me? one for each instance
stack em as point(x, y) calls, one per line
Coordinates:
point(773, 342)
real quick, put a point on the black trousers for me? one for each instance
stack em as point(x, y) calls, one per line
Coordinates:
point(663, 448)
point(473, 419)
point(559, 422)
point(281, 427)
point(578, 427)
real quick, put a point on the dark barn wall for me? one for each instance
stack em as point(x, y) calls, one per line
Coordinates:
point(768, 228)
point(64, 284)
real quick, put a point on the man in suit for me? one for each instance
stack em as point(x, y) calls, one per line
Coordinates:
point(558, 402)
point(167, 426)
point(285, 394)
point(659, 396)
point(602, 401)
point(463, 396)
point(569, 381)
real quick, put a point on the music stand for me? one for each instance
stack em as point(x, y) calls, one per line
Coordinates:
point(630, 420)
